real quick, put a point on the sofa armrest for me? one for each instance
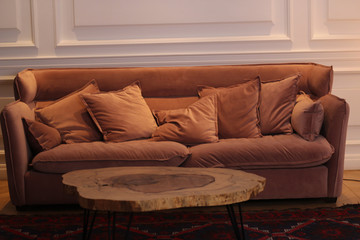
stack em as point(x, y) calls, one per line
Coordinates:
point(334, 129)
point(17, 152)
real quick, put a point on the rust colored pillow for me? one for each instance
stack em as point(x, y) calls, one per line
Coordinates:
point(121, 115)
point(307, 117)
point(192, 125)
point(238, 109)
point(69, 116)
point(277, 102)
point(40, 136)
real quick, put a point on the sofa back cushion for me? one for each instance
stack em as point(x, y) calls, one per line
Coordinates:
point(192, 125)
point(69, 116)
point(40, 136)
point(165, 82)
point(238, 108)
point(121, 115)
point(307, 117)
point(277, 102)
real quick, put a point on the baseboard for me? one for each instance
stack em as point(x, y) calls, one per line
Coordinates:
point(3, 174)
point(352, 162)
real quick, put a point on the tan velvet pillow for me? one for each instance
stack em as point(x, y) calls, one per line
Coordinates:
point(121, 115)
point(69, 116)
point(192, 125)
point(238, 109)
point(307, 117)
point(40, 136)
point(276, 104)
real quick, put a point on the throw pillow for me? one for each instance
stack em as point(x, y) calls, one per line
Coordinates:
point(307, 117)
point(69, 116)
point(121, 115)
point(192, 125)
point(238, 109)
point(40, 136)
point(277, 102)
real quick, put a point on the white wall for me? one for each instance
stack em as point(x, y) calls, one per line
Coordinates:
point(92, 33)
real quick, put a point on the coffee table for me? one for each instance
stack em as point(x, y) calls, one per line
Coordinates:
point(143, 189)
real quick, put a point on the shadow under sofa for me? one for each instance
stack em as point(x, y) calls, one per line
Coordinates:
point(293, 166)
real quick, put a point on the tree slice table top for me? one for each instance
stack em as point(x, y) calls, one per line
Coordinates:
point(141, 189)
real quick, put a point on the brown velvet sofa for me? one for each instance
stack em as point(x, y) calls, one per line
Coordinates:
point(293, 166)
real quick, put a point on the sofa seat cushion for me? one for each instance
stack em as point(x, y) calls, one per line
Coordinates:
point(278, 151)
point(70, 157)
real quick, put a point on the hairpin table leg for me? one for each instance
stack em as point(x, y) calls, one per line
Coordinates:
point(128, 226)
point(241, 222)
point(231, 212)
point(114, 225)
point(111, 225)
point(88, 229)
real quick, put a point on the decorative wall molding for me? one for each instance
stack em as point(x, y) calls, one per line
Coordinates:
point(5, 100)
point(85, 31)
point(343, 60)
point(8, 15)
point(334, 20)
point(6, 79)
point(352, 161)
point(352, 156)
point(22, 29)
point(343, 10)
point(120, 12)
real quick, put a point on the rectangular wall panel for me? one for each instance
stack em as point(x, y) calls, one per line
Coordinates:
point(17, 30)
point(344, 10)
point(123, 12)
point(8, 14)
point(335, 20)
point(213, 27)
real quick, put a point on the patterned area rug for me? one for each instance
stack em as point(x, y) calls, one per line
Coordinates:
point(325, 223)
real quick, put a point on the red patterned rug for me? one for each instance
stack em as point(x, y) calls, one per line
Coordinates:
point(325, 223)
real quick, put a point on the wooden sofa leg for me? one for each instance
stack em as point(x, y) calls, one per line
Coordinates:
point(331, 200)
point(22, 208)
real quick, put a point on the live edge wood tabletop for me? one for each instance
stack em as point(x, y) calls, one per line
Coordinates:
point(140, 189)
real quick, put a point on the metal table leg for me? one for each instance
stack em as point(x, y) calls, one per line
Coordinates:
point(128, 226)
point(111, 225)
point(88, 229)
point(232, 216)
point(241, 221)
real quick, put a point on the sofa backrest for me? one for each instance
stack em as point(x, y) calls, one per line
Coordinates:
point(46, 85)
